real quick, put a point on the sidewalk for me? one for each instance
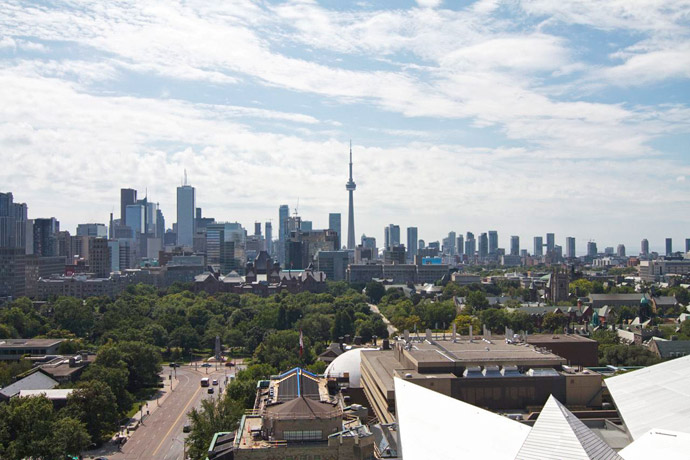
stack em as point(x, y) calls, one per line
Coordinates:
point(149, 407)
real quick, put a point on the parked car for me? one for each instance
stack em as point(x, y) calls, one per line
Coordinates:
point(215, 381)
point(210, 390)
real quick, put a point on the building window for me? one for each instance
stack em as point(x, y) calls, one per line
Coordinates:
point(303, 435)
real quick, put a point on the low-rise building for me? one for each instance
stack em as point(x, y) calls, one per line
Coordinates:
point(14, 349)
point(297, 415)
point(495, 374)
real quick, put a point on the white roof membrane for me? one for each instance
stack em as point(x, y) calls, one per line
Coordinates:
point(656, 397)
point(662, 444)
point(559, 435)
point(434, 426)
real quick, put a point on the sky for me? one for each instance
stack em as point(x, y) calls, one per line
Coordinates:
point(521, 116)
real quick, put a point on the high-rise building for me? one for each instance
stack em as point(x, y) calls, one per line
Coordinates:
point(421, 244)
point(96, 230)
point(412, 240)
point(460, 245)
point(550, 242)
point(99, 257)
point(570, 247)
point(514, 245)
point(483, 246)
point(268, 229)
point(470, 244)
point(350, 187)
point(392, 236)
point(644, 247)
point(334, 224)
point(186, 204)
point(128, 196)
point(136, 218)
point(306, 226)
point(13, 223)
point(493, 242)
point(669, 246)
point(592, 250)
point(45, 237)
point(449, 243)
point(620, 250)
point(687, 244)
point(368, 242)
point(538, 246)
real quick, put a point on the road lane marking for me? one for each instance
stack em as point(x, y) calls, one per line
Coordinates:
point(184, 412)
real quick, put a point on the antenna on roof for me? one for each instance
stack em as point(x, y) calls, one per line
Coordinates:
point(185, 176)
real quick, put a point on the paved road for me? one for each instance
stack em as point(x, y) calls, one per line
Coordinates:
point(391, 329)
point(161, 437)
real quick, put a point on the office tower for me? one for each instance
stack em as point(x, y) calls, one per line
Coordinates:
point(608, 251)
point(283, 215)
point(386, 237)
point(368, 242)
point(460, 245)
point(160, 224)
point(95, 230)
point(268, 229)
point(592, 249)
point(395, 235)
point(669, 246)
point(114, 247)
point(570, 247)
point(350, 187)
point(421, 244)
point(306, 226)
point(16, 241)
point(99, 257)
point(514, 245)
point(136, 218)
point(412, 240)
point(128, 196)
point(13, 223)
point(557, 253)
point(449, 243)
point(538, 246)
point(470, 244)
point(257, 228)
point(45, 237)
point(483, 246)
point(493, 242)
point(687, 244)
point(550, 242)
point(644, 247)
point(186, 206)
point(334, 224)
point(620, 250)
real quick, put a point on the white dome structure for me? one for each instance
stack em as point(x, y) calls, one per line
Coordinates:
point(349, 362)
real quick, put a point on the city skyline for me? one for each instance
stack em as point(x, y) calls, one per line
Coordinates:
point(524, 117)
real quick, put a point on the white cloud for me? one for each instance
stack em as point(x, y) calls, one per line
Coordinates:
point(444, 69)
point(429, 3)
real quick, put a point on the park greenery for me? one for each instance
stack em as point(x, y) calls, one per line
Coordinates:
point(134, 333)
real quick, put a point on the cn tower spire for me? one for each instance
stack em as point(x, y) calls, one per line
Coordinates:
point(351, 187)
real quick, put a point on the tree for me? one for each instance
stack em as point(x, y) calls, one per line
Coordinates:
point(554, 321)
point(116, 376)
point(94, 404)
point(375, 291)
point(70, 437)
point(463, 323)
point(26, 427)
point(209, 419)
point(74, 315)
point(495, 319)
point(477, 300)
point(281, 350)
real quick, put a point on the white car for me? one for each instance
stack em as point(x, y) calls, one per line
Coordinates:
point(215, 381)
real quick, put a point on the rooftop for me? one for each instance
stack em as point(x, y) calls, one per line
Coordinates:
point(29, 343)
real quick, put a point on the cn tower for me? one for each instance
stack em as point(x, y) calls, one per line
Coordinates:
point(350, 187)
